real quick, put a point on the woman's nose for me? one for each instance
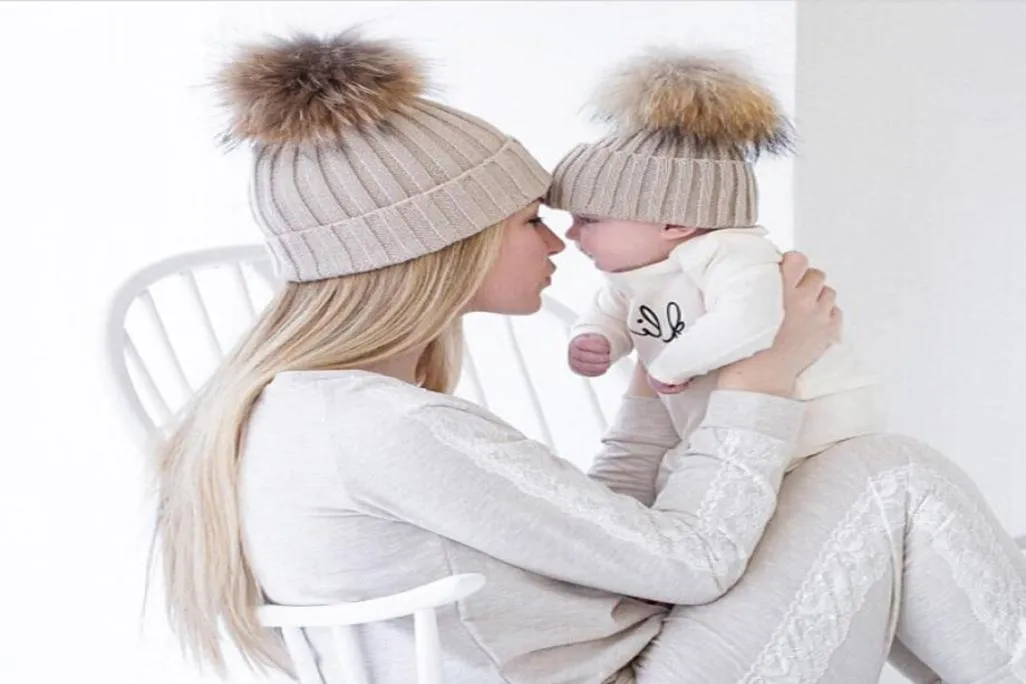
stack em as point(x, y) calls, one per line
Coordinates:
point(574, 232)
point(555, 244)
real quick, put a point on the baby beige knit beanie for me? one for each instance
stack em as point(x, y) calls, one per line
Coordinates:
point(352, 168)
point(686, 132)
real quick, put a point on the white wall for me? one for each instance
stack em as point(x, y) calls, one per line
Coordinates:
point(911, 192)
point(108, 163)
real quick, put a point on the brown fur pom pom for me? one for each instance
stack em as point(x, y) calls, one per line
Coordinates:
point(711, 100)
point(308, 89)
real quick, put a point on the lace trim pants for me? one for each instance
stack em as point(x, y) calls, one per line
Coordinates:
point(879, 546)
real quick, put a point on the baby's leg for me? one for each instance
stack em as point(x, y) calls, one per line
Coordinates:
point(686, 410)
point(875, 538)
point(836, 417)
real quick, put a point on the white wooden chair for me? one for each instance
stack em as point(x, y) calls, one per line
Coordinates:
point(171, 323)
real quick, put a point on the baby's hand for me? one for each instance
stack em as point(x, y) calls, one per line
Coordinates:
point(589, 355)
point(663, 388)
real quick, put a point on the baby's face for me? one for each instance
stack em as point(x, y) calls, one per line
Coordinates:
point(616, 245)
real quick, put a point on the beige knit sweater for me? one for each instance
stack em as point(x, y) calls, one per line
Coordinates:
point(356, 485)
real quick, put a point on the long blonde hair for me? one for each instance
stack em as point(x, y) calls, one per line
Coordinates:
point(339, 323)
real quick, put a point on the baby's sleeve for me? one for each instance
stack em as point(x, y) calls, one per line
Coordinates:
point(743, 294)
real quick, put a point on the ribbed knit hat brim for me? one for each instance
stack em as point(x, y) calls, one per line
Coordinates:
point(604, 180)
point(299, 196)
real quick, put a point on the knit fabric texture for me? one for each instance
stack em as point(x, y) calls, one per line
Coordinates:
point(425, 178)
point(653, 178)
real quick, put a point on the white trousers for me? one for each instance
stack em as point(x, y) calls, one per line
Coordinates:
point(879, 546)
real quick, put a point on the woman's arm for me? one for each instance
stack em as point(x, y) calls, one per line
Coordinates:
point(455, 470)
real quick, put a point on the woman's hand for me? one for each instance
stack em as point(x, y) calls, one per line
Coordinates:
point(811, 324)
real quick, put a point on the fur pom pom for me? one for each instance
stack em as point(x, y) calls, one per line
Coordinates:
point(308, 89)
point(708, 99)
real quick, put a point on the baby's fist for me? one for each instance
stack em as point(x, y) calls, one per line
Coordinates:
point(589, 355)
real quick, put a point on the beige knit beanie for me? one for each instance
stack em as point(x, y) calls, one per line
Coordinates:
point(352, 168)
point(686, 132)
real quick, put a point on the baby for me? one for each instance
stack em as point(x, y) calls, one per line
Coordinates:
point(665, 206)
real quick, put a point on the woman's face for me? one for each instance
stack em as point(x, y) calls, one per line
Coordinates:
point(516, 280)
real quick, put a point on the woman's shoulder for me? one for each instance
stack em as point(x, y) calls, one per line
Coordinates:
point(380, 398)
point(377, 421)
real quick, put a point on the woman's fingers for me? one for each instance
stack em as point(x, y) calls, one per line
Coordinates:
point(792, 268)
point(828, 298)
point(813, 282)
point(837, 323)
point(802, 284)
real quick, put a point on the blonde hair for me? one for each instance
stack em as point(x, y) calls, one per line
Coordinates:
point(339, 323)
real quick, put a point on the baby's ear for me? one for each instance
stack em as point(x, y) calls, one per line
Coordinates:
point(678, 232)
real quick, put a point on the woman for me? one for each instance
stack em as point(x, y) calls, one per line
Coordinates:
point(327, 462)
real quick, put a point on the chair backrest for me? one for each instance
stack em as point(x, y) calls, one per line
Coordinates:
point(171, 323)
point(160, 354)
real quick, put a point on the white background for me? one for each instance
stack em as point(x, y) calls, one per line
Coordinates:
point(108, 163)
point(911, 192)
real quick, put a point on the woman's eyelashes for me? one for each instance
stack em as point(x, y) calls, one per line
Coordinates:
point(537, 221)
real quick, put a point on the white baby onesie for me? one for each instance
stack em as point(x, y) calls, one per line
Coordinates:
point(716, 299)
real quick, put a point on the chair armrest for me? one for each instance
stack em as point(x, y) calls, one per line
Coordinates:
point(438, 593)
